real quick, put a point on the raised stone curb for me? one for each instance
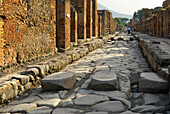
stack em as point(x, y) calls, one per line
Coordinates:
point(35, 73)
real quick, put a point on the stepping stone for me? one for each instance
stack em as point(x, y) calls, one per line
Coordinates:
point(67, 111)
point(58, 81)
point(88, 100)
point(23, 108)
point(41, 110)
point(110, 106)
point(152, 83)
point(48, 102)
point(104, 81)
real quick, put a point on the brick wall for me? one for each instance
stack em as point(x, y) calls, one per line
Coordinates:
point(63, 24)
point(27, 30)
point(89, 19)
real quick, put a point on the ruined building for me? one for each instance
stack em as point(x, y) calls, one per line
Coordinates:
point(30, 29)
point(154, 21)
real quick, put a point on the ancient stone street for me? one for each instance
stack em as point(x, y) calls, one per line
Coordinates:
point(106, 81)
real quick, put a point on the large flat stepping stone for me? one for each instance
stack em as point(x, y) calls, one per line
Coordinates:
point(152, 83)
point(104, 81)
point(88, 100)
point(110, 106)
point(58, 81)
point(67, 111)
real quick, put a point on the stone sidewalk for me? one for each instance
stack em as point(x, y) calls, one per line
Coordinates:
point(118, 67)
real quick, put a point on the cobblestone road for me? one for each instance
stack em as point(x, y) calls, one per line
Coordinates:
point(120, 57)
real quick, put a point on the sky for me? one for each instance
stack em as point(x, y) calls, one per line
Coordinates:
point(130, 6)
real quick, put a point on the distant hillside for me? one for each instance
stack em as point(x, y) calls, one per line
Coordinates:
point(115, 14)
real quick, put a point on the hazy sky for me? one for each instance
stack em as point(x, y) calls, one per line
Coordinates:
point(130, 6)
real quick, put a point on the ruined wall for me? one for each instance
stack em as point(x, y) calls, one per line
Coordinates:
point(26, 30)
point(63, 24)
point(95, 19)
point(73, 26)
point(89, 19)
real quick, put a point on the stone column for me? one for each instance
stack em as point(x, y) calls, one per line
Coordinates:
point(82, 6)
point(95, 19)
point(99, 25)
point(89, 19)
point(166, 21)
point(74, 26)
point(63, 24)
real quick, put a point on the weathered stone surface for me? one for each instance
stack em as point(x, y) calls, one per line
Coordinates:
point(123, 101)
point(41, 110)
point(22, 78)
point(146, 108)
point(150, 98)
point(128, 112)
point(169, 69)
point(97, 113)
point(67, 102)
point(48, 102)
point(28, 86)
point(58, 81)
point(104, 80)
point(110, 106)
point(88, 100)
point(48, 95)
point(84, 92)
point(66, 111)
point(23, 108)
point(151, 82)
point(111, 94)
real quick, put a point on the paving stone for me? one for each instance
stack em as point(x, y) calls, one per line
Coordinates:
point(67, 103)
point(137, 95)
point(84, 92)
point(48, 102)
point(104, 80)
point(150, 98)
point(23, 108)
point(63, 93)
point(111, 94)
point(41, 110)
point(49, 95)
point(123, 101)
point(152, 83)
point(85, 86)
point(25, 100)
point(97, 113)
point(88, 100)
point(146, 108)
point(110, 106)
point(22, 78)
point(129, 112)
point(66, 111)
point(58, 81)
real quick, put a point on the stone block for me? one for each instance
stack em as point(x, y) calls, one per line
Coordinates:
point(22, 78)
point(104, 80)
point(153, 83)
point(58, 81)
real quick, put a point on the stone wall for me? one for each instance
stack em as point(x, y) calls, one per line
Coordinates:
point(89, 19)
point(27, 30)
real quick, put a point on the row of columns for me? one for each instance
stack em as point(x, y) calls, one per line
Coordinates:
point(76, 19)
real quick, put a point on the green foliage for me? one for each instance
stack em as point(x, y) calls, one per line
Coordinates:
point(121, 21)
point(139, 13)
